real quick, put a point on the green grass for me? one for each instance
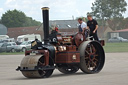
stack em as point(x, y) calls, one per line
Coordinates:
point(116, 47)
point(9, 53)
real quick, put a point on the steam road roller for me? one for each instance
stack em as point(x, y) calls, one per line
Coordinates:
point(67, 53)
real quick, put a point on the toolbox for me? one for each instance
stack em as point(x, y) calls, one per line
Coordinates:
point(67, 57)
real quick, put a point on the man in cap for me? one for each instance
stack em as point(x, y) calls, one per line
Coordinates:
point(93, 26)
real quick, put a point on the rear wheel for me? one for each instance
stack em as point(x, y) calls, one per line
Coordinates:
point(68, 70)
point(92, 57)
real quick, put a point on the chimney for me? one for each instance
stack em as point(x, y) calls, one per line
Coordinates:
point(45, 11)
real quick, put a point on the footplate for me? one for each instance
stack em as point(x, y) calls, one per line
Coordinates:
point(36, 68)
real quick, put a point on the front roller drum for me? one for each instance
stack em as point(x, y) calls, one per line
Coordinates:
point(92, 57)
point(30, 62)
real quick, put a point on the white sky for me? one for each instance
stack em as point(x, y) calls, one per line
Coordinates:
point(59, 9)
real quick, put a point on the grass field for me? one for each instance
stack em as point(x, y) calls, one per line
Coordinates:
point(116, 47)
point(109, 48)
point(9, 53)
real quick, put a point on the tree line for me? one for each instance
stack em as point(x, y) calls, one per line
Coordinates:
point(106, 12)
point(110, 13)
point(16, 18)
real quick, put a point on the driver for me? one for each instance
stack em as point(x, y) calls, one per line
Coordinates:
point(93, 26)
point(53, 34)
point(55, 30)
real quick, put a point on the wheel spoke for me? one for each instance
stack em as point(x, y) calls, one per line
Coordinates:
point(87, 52)
point(96, 59)
point(94, 63)
point(42, 64)
point(91, 49)
point(96, 55)
point(86, 58)
point(88, 65)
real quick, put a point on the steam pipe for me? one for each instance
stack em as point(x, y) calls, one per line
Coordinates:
point(45, 11)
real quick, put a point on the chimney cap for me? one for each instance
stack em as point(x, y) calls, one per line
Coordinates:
point(45, 8)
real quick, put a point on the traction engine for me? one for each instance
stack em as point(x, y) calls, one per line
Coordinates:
point(67, 53)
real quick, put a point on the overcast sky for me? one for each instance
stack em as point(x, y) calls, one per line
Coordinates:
point(59, 9)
